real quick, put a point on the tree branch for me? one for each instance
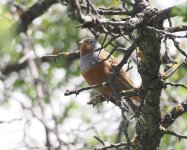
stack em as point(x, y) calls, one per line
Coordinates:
point(76, 92)
point(175, 84)
point(180, 136)
point(112, 146)
point(95, 22)
point(169, 132)
point(113, 11)
point(118, 68)
point(168, 12)
point(16, 67)
point(183, 62)
point(9, 68)
point(176, 43)
point(164, 32)
point(98, 139)
point(176, 29)
point(37, 82)
point(174, 113)
point(10, 121)
point(33, 12)
point(69, 55)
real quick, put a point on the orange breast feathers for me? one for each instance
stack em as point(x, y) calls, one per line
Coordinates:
point(95, 71)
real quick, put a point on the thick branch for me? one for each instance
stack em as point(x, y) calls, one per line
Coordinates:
point(69, 55)
point(34, 11)
point(94, 21)
point(13, 68)
point(16, 67)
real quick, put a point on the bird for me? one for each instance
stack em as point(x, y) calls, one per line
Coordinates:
point(95, 71)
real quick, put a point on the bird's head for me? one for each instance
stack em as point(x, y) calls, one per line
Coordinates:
point(88, 45)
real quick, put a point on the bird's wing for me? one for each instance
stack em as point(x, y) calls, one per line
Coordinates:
point(125, 80)
point(123, 77)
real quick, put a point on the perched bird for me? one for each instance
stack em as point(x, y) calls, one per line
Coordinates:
point(95, 71)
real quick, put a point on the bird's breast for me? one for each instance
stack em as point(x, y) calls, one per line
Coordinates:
point(88, 61)
point(97, 74)
point(93, 70)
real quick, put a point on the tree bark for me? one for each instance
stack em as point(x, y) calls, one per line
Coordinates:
point(148, 132)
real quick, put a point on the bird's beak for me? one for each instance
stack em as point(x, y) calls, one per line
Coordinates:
point(81, 42)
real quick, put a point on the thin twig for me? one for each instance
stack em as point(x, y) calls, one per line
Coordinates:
point(10, 121)
point(125, 58)
point(118, 68)
point(94, 10)
point(76, 92)
point(104, 40)
point(128, 66)
point(176, 29)
point(125, 129)
point(88, 7)
point(177, 46)
point(112, 146)
point(164, 78)
point(120, 131)
point(110, 54)
point(109, 42)
point(165, 32)
point(175, 84)
point(101, 141)
point(166, 59)
point(169, 132)
point(114, 11)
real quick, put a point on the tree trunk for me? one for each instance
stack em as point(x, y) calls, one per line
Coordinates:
point(148, 128)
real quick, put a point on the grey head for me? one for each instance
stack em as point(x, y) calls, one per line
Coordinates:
point(93, 43)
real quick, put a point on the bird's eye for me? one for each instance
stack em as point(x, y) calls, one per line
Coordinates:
point(91, 42)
